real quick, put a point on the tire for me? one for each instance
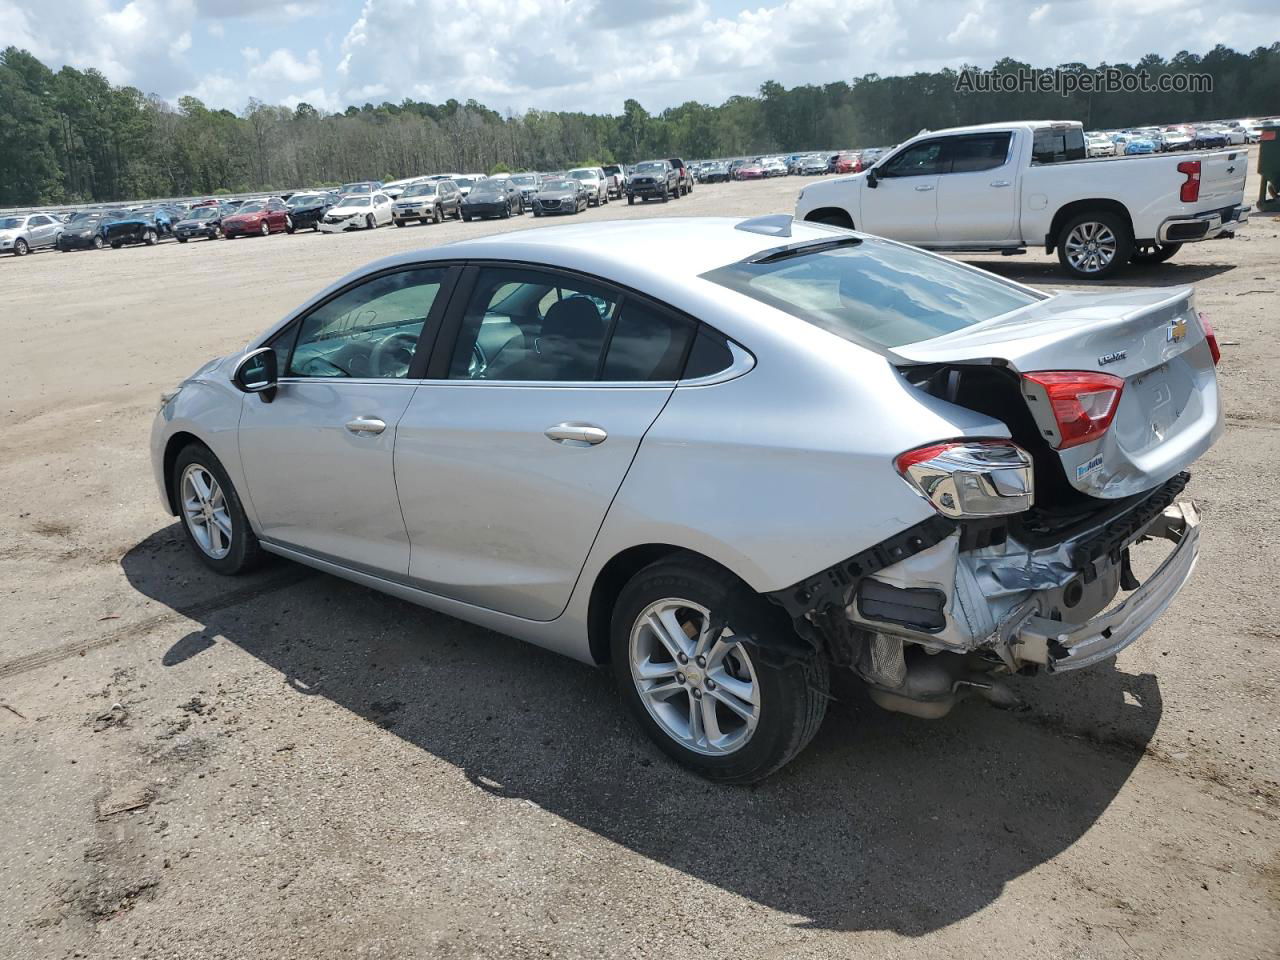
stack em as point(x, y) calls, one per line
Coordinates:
point(1152, 253)
point(182, 239)
point(398, 222)
point(216, 234)
point(266, 229)
point(288, 225)
point(244, 552)
point(436, 215)
point(1113, 245)
point(370, 222)
point(631, 200)
point(466, 217)
point(786, 699)
point(116, 244)
point(20, 248)
point(98, 243)
point(537, 213)
point(666, 196)
point(150, 238)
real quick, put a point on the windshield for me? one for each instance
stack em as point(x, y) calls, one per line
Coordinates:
point(583, 174)
point(12, 223)
point(357, 188)
point(560, 184)
point(872, 291)
point(464, 182)
point(650, 166)
point(203, 213)
point(356, 201)
point(252, 208)
point(486, 187)
point(298, 200)
point(420, 190)
point(525, 180)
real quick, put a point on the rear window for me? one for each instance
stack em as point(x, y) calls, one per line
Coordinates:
point(874, 293)
point(1057, 144)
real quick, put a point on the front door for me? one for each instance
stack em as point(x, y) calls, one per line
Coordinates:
point(978, 190)
point(903, 205)
point(511, 452)
point(318, 457)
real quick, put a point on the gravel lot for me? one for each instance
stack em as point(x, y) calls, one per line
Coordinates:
point(289, 765)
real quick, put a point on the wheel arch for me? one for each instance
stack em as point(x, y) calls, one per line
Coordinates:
point(835, 216)
point(174, 446)
point(1076, 207)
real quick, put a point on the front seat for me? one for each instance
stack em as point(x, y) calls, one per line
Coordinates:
point(568, 347)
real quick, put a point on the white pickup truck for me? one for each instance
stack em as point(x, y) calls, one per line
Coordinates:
point(1003, 187)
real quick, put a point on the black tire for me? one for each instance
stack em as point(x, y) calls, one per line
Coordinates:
point(466, 217)
point(20, 248)
point(245, 553)
point(631, 200)
point(288, 225)
point(398, 222)
point(370, 222)
point(1153, 253)
point(150, 238)
point(98, 243)
point(792, 694)
point(436, 215)
point(266, 229)
point(666, 196)
point(182, 239)
point(1123, 244)
point(116, 244)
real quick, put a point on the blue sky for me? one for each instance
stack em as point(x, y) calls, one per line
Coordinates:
point(587, 55)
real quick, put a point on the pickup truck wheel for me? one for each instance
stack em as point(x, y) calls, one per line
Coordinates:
point(631, 200)
point(1093, 246)
point(1152, 253)
point(709, 697)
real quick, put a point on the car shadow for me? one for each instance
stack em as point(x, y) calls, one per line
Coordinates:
point(1047, 273)
point(884, 823)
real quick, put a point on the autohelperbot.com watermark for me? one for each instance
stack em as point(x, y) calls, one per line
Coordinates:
point(1068, 82)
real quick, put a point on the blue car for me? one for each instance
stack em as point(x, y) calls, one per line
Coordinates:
point(1139, 146)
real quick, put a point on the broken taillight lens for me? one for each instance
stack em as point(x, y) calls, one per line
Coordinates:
point(1212, 339)
point(1082, 403)
point(971, 478)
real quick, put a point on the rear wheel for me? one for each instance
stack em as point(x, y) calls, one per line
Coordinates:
point(1093, 246)
point(1151, 253)
point(150, 238)
point(708, 696)
point(631, 200)
point(212, 515)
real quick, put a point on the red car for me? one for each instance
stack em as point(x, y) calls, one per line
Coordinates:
point(849, 162)
point(258, 216)
point(751, 171)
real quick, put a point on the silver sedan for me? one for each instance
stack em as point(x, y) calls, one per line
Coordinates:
point(725, 457)
point(21, 234)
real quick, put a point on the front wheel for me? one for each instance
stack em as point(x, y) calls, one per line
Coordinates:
point(212, 515)
point(20, 248)
point(1093, 246)
point(631, 200)
point(265, 229)
point(370, 222)
point(288, 225)
point(150, 238)
point(98, 243)
point(1152, 253)
point(708, 696)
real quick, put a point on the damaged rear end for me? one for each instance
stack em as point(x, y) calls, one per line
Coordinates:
point(1031, 560)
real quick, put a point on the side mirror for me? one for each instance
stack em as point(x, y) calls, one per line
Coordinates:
point(256, 373)
point(872, 179)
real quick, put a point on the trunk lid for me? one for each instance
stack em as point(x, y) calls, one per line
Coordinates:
point(1169, 411)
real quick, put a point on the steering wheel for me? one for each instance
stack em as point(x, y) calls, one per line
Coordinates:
point(393, 354)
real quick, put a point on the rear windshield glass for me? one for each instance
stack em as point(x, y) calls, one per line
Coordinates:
point(873, 292)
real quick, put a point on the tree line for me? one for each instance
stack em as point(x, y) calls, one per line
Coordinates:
point(72, 136)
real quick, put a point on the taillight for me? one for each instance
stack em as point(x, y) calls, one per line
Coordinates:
point(1212, 339)
point(1082, 403)
point(971, 478)
point(1190, 191)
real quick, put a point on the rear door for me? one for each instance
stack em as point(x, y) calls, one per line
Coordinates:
point(512, 449)
point(978, 188)
point(903, 205)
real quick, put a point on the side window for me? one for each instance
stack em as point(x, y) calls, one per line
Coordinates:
point(527, 325)
point(710, 354)
point(370, 331)
point(975, 153)
point(922, 159)
point(647, 344)
point(40, 221)
point(1057, 144)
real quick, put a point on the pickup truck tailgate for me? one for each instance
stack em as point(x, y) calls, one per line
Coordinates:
point(1168, 412)
point(1222, 176)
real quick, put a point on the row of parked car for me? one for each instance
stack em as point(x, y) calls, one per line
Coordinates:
point(1178, 136)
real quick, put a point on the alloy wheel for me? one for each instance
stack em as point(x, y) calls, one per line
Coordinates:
point(20, 248)
point(694, 677)
point(1091, 246)
point(265, 228)
point(204, 508)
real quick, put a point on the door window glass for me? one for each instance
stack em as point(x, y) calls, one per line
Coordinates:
point(647, 344)
point(370, 331)
point(923, 159)
point(979, 152)
point(527, 325)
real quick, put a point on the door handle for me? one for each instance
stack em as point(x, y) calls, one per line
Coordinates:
point(361, 426)
point(577, 434)
point(925, 187)
point(999, 183)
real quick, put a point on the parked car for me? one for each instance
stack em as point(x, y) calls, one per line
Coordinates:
point(307, 209)
point(433, 200)
point(361, 187)
point(86, 230)
point(714, 172)
point(773, 167)
point(750, 171)
point(959, 189)
point(357, 212)
point(528, 184)
point(811, 165)
point(1003, 485)
point(493, 197)
point(560, 195)
point(595, 181)
point(1139, 145)
point(848, 161)
point(396, 187)
point(26, 232)
point(130, 228)
point(1175, 138)
point(653, 180)
point(617, 180)
point(261, 217)
point(683, 176)
point(735, 166)
point(204, 221)
point(465, 183)
point(1207, 138)
point(1099, 145)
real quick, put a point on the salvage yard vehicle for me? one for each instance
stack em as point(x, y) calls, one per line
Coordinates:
point(357, 212)
point(128, 228)
point(432, 201)
point(493, 197)
point(528, 184)
point(306, 209)
point(257, 218)
point(653, 180)
point(85, 230)
point(683, 177)
point(726, 457)
point(1005, 187)
point(21, 234)
point(204, 221)
point(595, 182)
point(560, 195)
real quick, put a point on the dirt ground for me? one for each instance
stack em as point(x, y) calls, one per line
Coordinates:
point(289, 765)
